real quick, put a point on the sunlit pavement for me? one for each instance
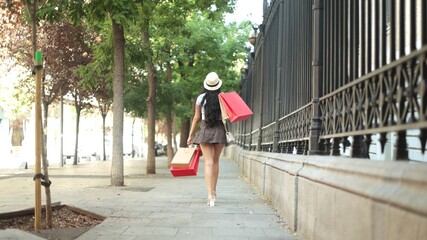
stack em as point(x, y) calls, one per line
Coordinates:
point(152, 206)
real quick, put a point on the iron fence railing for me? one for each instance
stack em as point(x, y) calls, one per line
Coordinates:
point(327, 75)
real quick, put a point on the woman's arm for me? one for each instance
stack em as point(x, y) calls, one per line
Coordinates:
point(196, 119)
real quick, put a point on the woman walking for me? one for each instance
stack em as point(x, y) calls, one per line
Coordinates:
point(211, 135)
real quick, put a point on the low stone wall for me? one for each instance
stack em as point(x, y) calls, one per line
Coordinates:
point(324, 197)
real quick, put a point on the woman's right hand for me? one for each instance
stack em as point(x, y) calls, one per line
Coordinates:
point(189, 141)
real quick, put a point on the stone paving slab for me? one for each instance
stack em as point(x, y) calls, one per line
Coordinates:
point(15, 234)
point(154, 206)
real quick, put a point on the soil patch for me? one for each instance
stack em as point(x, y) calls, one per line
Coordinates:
point(68, 222)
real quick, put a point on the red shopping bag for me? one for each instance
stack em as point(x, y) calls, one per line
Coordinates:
point(234, 107)
point(192, 168)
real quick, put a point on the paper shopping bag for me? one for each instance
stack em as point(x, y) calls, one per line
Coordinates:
point(183, 157)
point(234, 106)
point(224, 113)
point(192, 168)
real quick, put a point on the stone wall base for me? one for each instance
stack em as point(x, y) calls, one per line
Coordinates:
point(335, 198)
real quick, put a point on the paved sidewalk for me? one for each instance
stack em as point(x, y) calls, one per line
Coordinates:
point(151, 207)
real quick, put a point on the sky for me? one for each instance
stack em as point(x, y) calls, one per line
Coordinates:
point(247, 10)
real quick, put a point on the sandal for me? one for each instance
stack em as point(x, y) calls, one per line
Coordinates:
point(211, 201)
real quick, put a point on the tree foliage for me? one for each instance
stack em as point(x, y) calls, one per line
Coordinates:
point(186, 39)
point(207, 46)
point(97, 76)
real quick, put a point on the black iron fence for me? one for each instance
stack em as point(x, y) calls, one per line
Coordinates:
point(333, 75)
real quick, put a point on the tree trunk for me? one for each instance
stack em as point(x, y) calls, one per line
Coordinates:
point(103, 137)
point(61, 131)
point(32, 10)
point(170, 151)
point(45, 167)
point(175, 133)
point(151, 104)
point(133, 134)
point(169, 119)
point(185, 131)
point(76, 145)
point(103, 109)
point(117, 169)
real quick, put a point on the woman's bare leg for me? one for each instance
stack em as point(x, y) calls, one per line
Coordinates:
point(215, 167)
point(207, 150)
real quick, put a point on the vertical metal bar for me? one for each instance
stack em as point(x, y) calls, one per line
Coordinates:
point(344, 39)
point(388, 28)
point(262, 81)
point(357, 150)
point(333, 46)
point(351, 40)
point(401, 135)
point(328, 40)
point(361, 30)
point(400, 35)
point(265, 12)
point(392, 34)
point(355, 37)
point(400, 147)
point(340, 46)
point(393, 27)
point(367, 143)
point(295, 50)
point(334, 79)
point(308, 57)
point(412, 24)
point(289, 57)
point(383, 32)
point(325, 46)
point(303, 53)
point(285, 86)
point(375, 35)
point(423, 22)
point(329, 60)
point(368, 39)
point(292, 54)
point(317, 66)
point(300, 147)
point(248, 140)
point(335, 151)
point(297, 56)
point(301, 56)
point(339, 52)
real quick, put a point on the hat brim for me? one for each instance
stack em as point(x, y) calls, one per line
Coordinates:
point(212, 88)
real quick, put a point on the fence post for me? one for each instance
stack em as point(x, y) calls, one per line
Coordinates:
point(278, 78)
point(317, 69)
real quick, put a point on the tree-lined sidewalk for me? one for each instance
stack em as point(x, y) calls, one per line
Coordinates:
point(146, 58)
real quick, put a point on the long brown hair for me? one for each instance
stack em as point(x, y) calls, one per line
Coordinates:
point(212, 108)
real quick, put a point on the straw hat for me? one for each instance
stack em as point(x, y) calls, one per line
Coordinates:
point(212, 82)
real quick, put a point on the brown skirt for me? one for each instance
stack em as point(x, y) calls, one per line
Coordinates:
point(215, 134)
